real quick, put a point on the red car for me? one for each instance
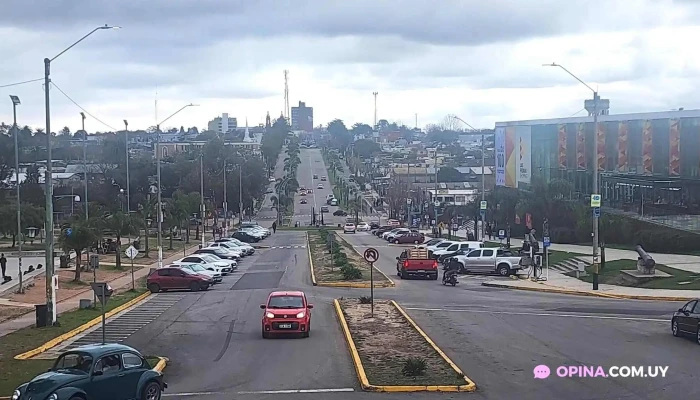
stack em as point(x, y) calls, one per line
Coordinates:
point(177, 278)
point(413, 237)
point(286, 312)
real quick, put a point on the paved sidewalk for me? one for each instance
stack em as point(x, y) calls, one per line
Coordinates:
point(560, 283)
point(123, 282)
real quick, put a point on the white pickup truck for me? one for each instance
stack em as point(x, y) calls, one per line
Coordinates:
point(488, 261)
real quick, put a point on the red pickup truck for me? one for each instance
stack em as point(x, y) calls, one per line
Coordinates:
point(415, 262)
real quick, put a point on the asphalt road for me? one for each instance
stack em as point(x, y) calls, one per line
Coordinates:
point(498, 336)
point(312, 163)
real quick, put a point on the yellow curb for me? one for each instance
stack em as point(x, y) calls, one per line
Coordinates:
point(82, 328)
point(358, 285)
point(362, 376)
point(311, 261)
point(161, 364)
point(590, 294)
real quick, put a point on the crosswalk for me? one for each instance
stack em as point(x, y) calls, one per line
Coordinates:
point(301, 246)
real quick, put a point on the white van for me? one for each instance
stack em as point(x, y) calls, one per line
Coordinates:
point(334, 202)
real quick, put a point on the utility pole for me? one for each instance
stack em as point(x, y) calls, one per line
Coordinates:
point(225, 228)
point(483, 185)
point(202, 208)
point(160, 199)
point(375, 109)
point(240, 194)
point(85, 169)
point(15, 103)
point(128, 192)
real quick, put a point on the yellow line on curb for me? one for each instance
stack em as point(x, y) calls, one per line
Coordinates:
point(362, 376)
point(162, 363)
point(589, 294)
point(311, 261)
point(82, 328)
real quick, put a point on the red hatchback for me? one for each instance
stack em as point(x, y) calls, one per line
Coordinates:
point(286, 312)
point(177, 278)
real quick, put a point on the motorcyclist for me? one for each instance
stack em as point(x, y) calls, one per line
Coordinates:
point(452, 269)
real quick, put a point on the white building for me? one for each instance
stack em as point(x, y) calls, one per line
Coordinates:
point(223, 124)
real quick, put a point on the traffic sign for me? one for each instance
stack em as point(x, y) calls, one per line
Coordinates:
point(371, 255)
point(482, 206)
point(131, 252)
point(596, 212)
point(483, 213)
point(501, 234)
point(595, 200)
point(69, 231)
point(546, 242)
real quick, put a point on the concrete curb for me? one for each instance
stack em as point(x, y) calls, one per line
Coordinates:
point(161, 364)
point(589, 294)
point(311, 260)
point(470, 386)
point(257, 246)
point(82, 328)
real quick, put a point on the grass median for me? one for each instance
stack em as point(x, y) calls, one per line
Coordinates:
point(15, 372)
point(392, 351)
point(335, 261)
point(612, 275)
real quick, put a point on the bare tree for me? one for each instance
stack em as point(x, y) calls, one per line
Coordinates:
point(450, 123)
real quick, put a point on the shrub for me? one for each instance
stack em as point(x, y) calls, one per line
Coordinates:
point(414, 366)
point(350, 272)
point(339, 257)
point(365, 300)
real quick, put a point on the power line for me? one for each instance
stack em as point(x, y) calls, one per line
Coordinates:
point(21, 83)
point(81, 107)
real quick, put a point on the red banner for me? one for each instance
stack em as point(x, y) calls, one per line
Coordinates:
point(622, 146)
point(562, 146)
point(581, 147)
point(674, 148)
point(647, 149)
point(600, 133)
point(528, 220)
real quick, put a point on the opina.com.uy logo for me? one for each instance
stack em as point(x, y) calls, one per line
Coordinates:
point(596, 371)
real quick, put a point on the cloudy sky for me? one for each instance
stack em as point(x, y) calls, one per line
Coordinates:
point(480, 60)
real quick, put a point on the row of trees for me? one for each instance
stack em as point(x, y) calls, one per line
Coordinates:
point(285, 188)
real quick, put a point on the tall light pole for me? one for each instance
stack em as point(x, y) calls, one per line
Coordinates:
point(48, 180)
point(202, 208)
point(596, 189)
point(128, 192)
point(375, 109)
point(483, 182)
point(225, 204)
point(240, 194)
point(160, 198)
point(85, 169)
point(15, 103)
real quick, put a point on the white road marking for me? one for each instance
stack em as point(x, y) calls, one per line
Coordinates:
point(541, 314)
point(299, 391)
point(187, 394)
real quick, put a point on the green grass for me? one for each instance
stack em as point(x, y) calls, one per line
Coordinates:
point(559, 256)
point(16, 372)
point(611, 273)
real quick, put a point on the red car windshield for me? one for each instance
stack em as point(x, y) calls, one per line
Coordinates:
point(286, 302)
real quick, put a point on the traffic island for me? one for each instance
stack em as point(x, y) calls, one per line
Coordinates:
point(392, 354)
point(335, 263)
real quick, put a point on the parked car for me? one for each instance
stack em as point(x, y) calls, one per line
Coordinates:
point(362, 227)
point(411, 237)
point(340, 213)
point(686, 321)
point(441, 254)
point(349, 227)
point(395, 223)
point(431, 242)
point(245, 237)
point(256, 226)
point(245, 248)
point(172, 277)
point(378, 232)
point(219, 252)
point(90, 372)
point(226, 266)
point(374, 225)
point(228, 246)
point(216, 276)
point(389, 236)
point(286, 312)
point(500, 261)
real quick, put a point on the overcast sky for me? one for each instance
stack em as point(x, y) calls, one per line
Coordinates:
point(480, 60)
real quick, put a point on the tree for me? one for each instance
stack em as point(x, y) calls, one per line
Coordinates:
point(339, 135)
point(32, 216)
point(366, 148)
point(449, 174)
point(77, 236)
point(121, 224)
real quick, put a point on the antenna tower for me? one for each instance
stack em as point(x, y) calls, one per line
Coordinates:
point(286, 95)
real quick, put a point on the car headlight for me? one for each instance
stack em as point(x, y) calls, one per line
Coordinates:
point(53, 396)
point(15, 395)
point(301, 315)
point(270, 315)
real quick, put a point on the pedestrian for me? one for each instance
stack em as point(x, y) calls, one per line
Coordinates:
point(3, 264)
point(274, 227)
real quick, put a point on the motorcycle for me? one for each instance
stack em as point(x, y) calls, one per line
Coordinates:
point(450, 279)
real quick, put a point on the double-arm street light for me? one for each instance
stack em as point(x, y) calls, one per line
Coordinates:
point(85, 170)
point(595, 168)
point(50, 289)
point(483, 182)
point(160, 199)
point(15, 131)
point(128, 193)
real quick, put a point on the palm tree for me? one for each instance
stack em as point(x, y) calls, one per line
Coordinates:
point(122, 224)
point(77, 236)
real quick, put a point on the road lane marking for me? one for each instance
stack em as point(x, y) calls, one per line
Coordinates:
point(190, 394)
point(540, 314)
point(299, 391)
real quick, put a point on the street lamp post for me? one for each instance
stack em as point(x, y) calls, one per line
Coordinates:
point(202, 208)
point(225, 227)
point(483, 182)
point(15, 103)
point(48, 181)
point(128, 193)
point(85, 169)
point(595, 169)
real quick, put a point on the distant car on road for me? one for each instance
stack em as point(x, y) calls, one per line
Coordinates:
point(323, 178)
point(319, 186)
point(172, 277)
point(315, 176)
point(286, 312)
point(325, 209)
point(303, 201)
point(363, 227)
point(349, 228)
point(340, 213)
point(91, 372)
point(686, 321)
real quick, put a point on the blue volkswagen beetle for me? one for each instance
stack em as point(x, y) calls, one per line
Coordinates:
point(99, 371)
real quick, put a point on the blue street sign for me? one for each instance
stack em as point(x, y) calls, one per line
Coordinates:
point(501, 234)
point(546, 242)
point(483, 213)
point(69, 231)
point(596, 212)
